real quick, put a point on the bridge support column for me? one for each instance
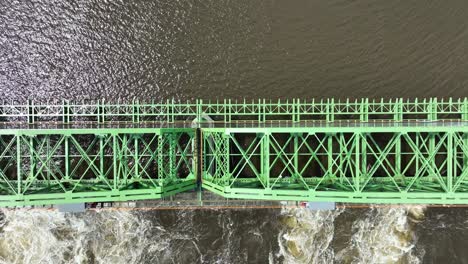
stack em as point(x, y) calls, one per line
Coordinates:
point(329, 174)
point(357, 173)
point(341, 159)
point(465, 155)
point(136, 157)
point(18, 164)
point(364, 169)
point(67, 157)
point(450, 162)
point(32, 160)
point(398, 154)
point(432, 144)
point(115, 162)
point(265, 159)
point(102, 172)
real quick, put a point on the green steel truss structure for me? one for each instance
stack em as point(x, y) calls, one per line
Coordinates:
point(367, 164)
point(372, 151)
point(45, 166)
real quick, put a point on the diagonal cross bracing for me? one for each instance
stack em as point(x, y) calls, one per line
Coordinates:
point(385, 151)
point(352, 164)
point(90, 165)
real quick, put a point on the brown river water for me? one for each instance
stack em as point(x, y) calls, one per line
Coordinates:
point(234, 49)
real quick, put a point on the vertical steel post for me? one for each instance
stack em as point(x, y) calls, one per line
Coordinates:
point(450, 151)
point(398, 155)
point(30, 111)
point(431, 151)
point(161, 174)
point(32, 163)
point(48, 163)
point(18, 162)
point(173, 112)
point(260, 111)
point(65, 112)
point(114, 157)
point(136, 156)
point(417, 156)
point(135, 110)
point(205, 154)
point(124, 159)
point(101, 157)
point(265, 159)
point(168, 114)
point(199, 110)
point(100, 111)
point(341, 160)
point(103, 111)
point(398, 110)
point(227, 154)
point(364, 110)
point(465, 110)
point(456, 162)
point(298, 110)
point(465, 155)
point(172, 156)
point(433, 108)
point(357, 162)
point(230, 111)
point(330, 154)
point(225, 111)
point(364, 169)
point(98, 115)
point(429, 109)
point(196, 151)
point(67, 158)
point(296, 156)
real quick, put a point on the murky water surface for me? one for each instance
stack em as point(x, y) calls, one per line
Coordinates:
point(234, 49)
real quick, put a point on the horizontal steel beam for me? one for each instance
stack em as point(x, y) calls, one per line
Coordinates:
point(348, 128)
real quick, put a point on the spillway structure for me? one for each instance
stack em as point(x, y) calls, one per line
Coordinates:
point(357, 151)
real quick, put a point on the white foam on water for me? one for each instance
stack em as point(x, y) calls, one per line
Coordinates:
point(26, 237)
point(34, 236)
point(308, 236)
point(383, 235)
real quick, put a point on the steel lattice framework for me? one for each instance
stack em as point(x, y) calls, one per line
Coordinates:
point(379, 151)
point(347, 164)
point(91, 165)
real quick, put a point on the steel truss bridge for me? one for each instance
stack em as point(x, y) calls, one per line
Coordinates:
point(364, 151)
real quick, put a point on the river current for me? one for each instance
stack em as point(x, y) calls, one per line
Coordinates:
point(158, 50)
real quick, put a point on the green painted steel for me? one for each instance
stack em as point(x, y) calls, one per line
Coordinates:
point(352, 164)
point(228, 111)
point(90, 165)
point(371, 151)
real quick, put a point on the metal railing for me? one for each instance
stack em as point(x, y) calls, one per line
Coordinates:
point(295, 110)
